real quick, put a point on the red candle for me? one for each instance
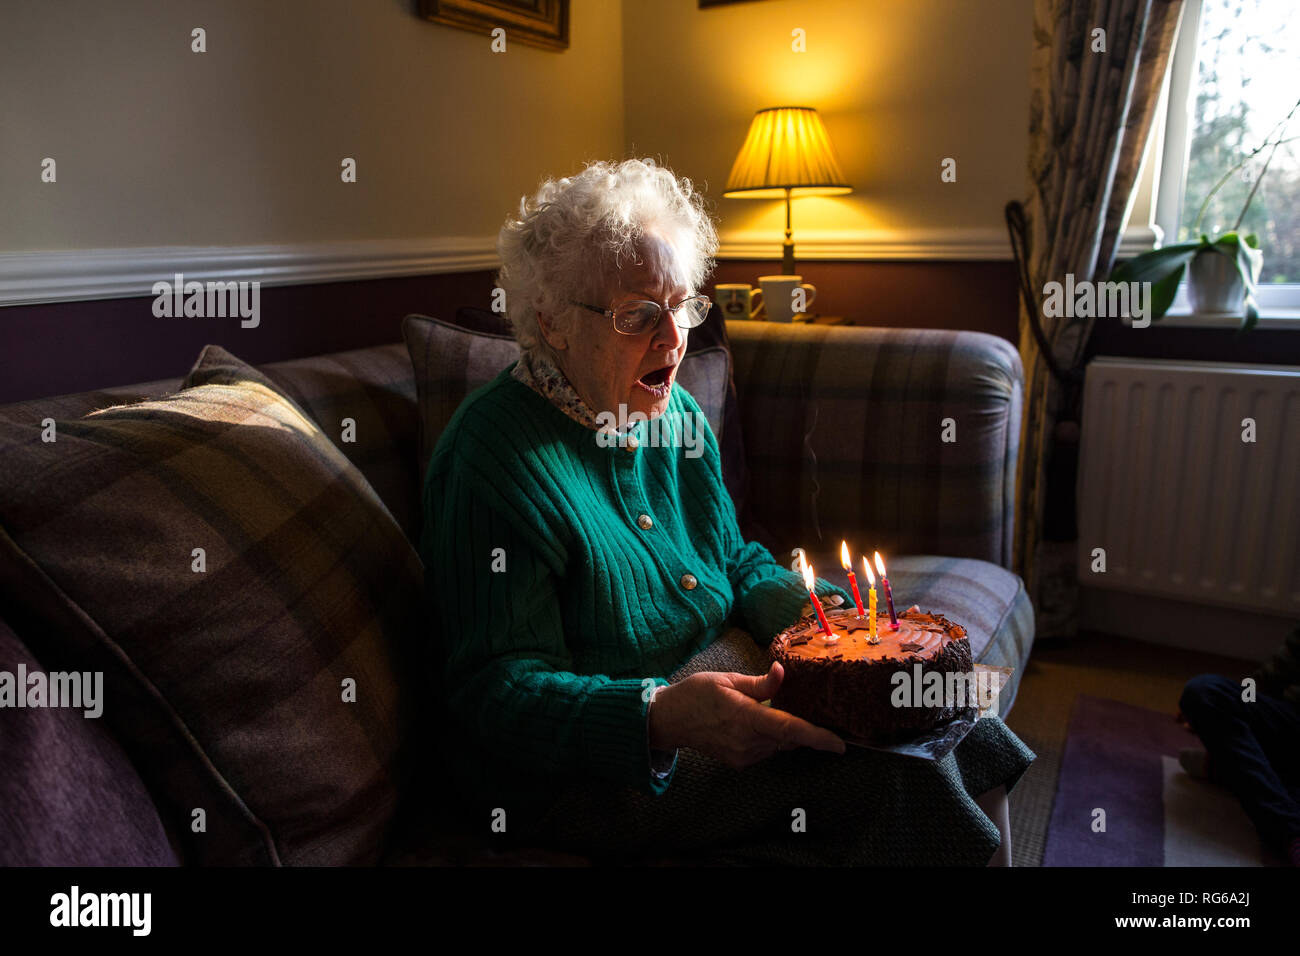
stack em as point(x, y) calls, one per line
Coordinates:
point(853, 581)
point(889, 594)
point(810, 582)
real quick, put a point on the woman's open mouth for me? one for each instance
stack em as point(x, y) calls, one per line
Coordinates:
point(659, 382)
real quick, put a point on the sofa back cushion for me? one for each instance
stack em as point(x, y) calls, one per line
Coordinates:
point(364, 401)
point(373, 387)
point(68, 794)
point(451, 361)
point(258, 679)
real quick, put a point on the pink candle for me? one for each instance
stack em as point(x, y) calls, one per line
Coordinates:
point(889, 594)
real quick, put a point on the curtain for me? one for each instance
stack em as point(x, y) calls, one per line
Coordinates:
point(1090, 117)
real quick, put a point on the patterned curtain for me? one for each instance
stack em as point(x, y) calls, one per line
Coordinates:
point(1090, 116)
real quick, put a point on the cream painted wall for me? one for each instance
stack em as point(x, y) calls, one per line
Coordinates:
point(159, 146)
point(900, 84)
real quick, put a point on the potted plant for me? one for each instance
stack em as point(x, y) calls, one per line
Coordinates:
point(1221, 273)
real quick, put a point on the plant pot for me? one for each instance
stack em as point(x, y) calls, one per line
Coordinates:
point(1214, 285)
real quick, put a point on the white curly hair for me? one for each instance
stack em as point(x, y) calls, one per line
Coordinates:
point(570, 239)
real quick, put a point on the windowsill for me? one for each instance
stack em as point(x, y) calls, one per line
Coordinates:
point(1270, 318)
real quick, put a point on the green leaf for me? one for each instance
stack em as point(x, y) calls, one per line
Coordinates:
point(1252, 315)
point(1252, 240)
point(1163, 292)
point(1156, 265)
point(1246, 267)
point(1227, 239)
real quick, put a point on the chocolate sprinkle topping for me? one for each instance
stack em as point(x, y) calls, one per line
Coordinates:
point(854, 695)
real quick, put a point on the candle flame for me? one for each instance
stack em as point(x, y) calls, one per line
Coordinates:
point(809, 580)
point(871, 578)
point(880, 565)
point(844, 556)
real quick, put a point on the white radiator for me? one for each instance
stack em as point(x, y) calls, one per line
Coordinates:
point(1181, 505)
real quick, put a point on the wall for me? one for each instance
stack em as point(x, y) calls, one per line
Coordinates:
point(164, 154)
point(160, 146)
point(161, 150)
point(900, 86)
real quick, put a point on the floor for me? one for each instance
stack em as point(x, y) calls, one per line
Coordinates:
point(1102, 665)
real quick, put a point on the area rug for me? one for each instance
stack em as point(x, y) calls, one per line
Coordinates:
point(1122, 799)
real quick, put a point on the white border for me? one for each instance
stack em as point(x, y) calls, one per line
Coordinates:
point(28, 278)
point(31, 278)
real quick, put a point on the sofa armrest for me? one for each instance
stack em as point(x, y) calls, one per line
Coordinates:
point(847, 436)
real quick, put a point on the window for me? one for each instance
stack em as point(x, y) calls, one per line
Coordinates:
point(1233, 82)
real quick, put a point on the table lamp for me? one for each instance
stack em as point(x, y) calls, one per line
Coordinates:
point(787, 153)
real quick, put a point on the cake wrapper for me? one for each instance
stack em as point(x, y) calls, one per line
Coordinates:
point(941, 740)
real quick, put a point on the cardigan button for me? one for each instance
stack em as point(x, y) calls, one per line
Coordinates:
point(689, 582)
point(645, 522)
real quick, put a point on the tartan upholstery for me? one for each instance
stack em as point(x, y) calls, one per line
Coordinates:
point(373, 386)
point(842, 432)
point(226, 686)
point(901, 492)
point(451, 361)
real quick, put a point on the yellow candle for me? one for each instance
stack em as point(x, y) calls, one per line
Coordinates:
point(871, 578)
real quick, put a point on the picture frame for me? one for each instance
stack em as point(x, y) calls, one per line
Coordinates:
point(538, 23)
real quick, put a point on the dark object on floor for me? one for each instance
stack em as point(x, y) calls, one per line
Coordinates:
point(1255, 748)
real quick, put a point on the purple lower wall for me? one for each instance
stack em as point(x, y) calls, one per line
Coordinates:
point(67, 347)
point(64, 347)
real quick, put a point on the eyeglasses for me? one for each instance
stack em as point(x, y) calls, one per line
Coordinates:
point(640, 315)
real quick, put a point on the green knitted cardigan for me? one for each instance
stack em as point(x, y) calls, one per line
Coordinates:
point(557, 609)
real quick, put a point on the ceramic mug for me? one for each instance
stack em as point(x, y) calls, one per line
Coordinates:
point(738, 300)
point(779, 293)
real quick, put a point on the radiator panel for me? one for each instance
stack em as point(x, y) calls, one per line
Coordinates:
point(1182, 506)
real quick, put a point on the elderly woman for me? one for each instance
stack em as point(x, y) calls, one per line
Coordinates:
point(572, 575)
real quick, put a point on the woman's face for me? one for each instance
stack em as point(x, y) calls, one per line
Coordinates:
point(608, 368)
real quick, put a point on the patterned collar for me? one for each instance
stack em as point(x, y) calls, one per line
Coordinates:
point(542, 375)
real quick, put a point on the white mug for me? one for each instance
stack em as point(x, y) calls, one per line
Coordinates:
point(780, 294)
point(738, 300)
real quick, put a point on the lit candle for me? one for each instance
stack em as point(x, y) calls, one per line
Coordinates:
point(853, 581)
point(889, 594)
point(810, 583)
point(872, 638)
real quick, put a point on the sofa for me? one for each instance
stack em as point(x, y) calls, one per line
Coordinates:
point(224, 736)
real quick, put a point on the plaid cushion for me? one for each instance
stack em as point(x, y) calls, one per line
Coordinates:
point(68, 795)
point(450, 362)
point(226, 687)
point(375, 389)
point(843, 430)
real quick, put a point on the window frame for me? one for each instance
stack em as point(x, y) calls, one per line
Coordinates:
point(1279, 303)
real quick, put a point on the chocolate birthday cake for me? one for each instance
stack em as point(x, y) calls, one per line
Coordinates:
point(848, 684)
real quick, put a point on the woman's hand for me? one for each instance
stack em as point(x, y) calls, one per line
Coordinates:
point(719, 714)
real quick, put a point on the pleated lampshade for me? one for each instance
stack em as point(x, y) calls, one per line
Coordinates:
point(787, 148)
